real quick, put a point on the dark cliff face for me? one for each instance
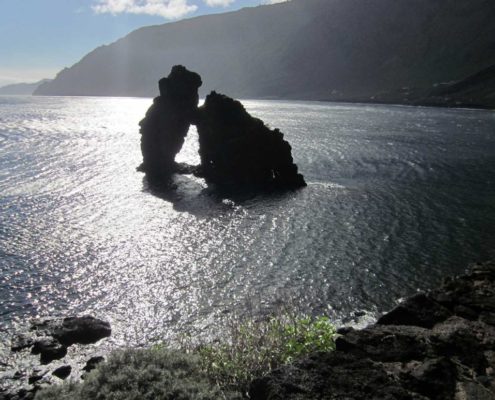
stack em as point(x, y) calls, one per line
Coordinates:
point(389, 51)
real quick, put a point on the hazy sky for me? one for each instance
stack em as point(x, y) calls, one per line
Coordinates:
point(40, 37)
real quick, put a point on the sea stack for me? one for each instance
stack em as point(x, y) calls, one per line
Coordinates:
point(165, 126)
point(237, 150)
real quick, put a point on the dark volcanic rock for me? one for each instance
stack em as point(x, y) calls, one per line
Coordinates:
point(49, 349)
point(419, 310)
point(436, 345)
point(237, 149)
point(82, 330)
point(167, 121)
point(62, 372)
point(35, 378)
point(72, 330)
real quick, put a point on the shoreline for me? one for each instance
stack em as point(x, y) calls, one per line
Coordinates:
point(462, 106)
point(438, 344)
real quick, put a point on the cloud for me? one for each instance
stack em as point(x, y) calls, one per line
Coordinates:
point(216, 3)
point(275, 1)
point(169, 9)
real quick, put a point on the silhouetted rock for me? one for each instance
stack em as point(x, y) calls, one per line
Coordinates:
point(237, 149)
point(82, 330)
point(167, 121)
point(72, 330)
point(436, 345)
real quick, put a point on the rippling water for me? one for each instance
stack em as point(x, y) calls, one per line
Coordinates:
point(397, 198)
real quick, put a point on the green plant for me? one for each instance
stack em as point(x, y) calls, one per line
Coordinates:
point(257, 347)
point(218, 370)
point(145, 374)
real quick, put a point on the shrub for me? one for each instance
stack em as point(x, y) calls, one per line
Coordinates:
point(219, 370)
point(257, 347)
point(151, 374)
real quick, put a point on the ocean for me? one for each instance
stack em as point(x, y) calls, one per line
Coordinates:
point(397, 199)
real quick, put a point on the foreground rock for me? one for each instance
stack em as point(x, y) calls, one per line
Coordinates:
point(50, 339)
point(236, 149)
point(435, 345)
point(55, 335)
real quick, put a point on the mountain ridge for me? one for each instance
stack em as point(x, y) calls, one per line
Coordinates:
point(24, 89)
point(392, 51)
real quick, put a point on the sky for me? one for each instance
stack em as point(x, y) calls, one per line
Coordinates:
point(38, 38)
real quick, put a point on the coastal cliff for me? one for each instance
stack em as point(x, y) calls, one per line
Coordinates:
point(391, 51)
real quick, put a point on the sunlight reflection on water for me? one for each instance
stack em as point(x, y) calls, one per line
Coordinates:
point(389, 197)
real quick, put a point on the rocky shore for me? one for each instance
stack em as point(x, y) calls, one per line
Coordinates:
point(435, 345)
point(50, 339)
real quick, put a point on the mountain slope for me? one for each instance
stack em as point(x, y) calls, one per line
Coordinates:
point(355, 50)
point(21, 88)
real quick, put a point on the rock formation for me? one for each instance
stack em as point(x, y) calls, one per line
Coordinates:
point(167, 121)
point(236, 149)
point(52, 337)
point(436, 345)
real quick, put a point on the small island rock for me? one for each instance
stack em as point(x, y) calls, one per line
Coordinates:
point(236, 149)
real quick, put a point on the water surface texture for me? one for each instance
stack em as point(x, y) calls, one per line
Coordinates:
point(397, 199)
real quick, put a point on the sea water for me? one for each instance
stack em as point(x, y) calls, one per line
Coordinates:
point(397, 199)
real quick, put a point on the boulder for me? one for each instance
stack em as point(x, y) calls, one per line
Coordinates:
point(73, 330)
point(81, 330)
point(92, 363)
